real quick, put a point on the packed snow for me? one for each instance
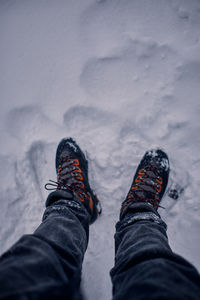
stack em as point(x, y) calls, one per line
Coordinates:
point(120, 77)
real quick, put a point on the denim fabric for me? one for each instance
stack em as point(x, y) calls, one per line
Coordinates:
point(47, 264)
point(145, 266)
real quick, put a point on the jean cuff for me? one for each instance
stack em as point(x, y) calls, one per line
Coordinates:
point(140, 212)
point(61, 206)
point(57, 195)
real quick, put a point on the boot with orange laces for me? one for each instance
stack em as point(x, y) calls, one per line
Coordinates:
point(72, 178)
point(150, 181)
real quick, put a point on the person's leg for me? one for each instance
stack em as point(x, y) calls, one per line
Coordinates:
point(47, 264)
point(145, 266)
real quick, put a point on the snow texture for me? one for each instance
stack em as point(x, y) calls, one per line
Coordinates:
point(119, 76)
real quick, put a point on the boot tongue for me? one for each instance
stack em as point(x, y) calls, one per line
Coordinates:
point(147, 188)
point(147, 192)
point(141, 195)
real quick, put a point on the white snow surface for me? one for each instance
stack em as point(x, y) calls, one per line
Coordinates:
point(120, 77)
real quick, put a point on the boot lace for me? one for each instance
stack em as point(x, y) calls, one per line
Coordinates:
point(69, 177)
point(146, 188)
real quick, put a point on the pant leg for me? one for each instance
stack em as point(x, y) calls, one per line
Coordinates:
point(145, 266)
point(47, 264)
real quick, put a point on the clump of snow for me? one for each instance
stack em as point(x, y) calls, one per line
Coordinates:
point(120, 77)
point(164, 163)
point(73, 146)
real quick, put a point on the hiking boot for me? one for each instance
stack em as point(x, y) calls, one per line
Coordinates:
point(72, 176)
point(150, 180)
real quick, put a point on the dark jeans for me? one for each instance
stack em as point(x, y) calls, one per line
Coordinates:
point(47, 264)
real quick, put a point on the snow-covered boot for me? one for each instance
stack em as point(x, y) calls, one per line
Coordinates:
point(72, 176)
point(150, 180)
